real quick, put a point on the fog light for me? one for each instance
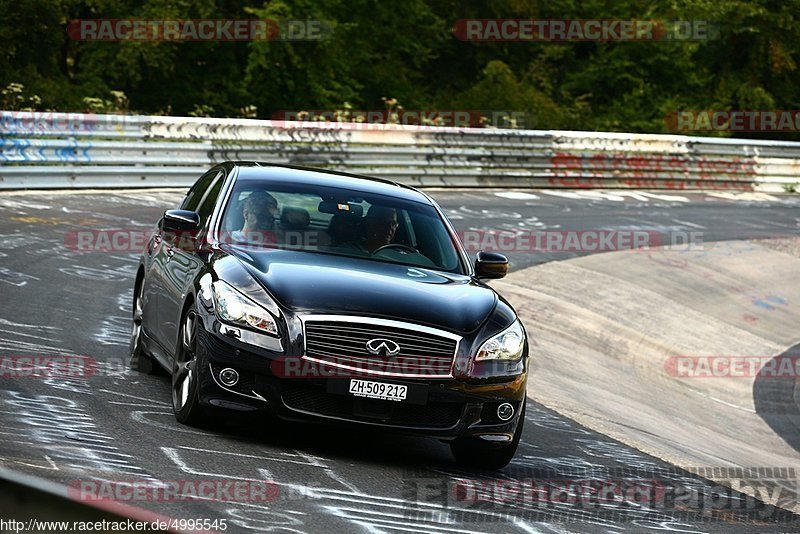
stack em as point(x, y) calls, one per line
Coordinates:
point(229, 377)
point(505, 411)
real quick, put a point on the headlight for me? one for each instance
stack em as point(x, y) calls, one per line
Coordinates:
point(507, 345)
point(233, 307)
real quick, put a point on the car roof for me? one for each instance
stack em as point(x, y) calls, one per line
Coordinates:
point(255, 171)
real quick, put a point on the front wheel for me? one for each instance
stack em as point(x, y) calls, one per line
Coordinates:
point(475, 452)
point(185, 379)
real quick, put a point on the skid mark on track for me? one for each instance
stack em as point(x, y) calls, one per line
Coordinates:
point(15, 241)
point(332, 474)
point(113, 330)
point(104, 273)
point(381, 513)
point(67, 434)
point(335, 502)
point(18, 338)
point(146, 417)
point(256, 517)
point(549, 421)
point(264, 519)
point(690, 224)
point(148, 401)
point(287, 457)
point(14, 278)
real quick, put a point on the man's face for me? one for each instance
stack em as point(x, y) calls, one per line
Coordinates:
point(385, 226)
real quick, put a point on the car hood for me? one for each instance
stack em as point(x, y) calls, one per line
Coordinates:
point(307, 282)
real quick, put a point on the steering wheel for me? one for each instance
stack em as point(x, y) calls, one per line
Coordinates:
point(401, 246)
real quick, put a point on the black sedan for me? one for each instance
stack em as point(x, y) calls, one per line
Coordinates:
point(323, 296)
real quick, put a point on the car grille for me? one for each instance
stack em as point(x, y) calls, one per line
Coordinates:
point(344, 344)
point(314, 400)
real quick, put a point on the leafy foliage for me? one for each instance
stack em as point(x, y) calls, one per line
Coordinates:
point(406, 51)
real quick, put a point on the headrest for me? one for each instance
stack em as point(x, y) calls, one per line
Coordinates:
point(295, 218)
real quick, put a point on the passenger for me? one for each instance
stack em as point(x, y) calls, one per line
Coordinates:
point(259, 212)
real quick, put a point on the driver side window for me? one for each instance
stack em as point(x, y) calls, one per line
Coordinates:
point(198, 191)
point(205, 209)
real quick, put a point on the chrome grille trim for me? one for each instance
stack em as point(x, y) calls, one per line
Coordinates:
point(444, 350)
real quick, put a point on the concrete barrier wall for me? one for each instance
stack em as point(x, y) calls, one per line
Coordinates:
point(614, 336)
point(58, 150)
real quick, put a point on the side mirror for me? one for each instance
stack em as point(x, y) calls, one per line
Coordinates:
point(490, 265)
point(180, 221)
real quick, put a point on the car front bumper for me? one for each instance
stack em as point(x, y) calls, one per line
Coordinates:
point(444, 408)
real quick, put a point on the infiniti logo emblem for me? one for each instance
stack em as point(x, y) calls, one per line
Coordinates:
point(383, 347)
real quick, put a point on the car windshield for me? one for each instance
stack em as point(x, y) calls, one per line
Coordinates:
point(338, 221)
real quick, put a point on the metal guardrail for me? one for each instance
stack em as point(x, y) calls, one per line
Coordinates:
point(68, 150)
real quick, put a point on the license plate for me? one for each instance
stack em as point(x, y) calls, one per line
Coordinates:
point(378, 390)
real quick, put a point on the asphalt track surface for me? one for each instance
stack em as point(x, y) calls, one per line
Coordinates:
point(118, 424)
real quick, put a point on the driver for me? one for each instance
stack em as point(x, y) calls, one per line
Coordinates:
point(380, 225)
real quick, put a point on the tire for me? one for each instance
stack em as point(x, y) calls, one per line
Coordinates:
point(185, 376)
point(474, 452)
point(138, 359)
